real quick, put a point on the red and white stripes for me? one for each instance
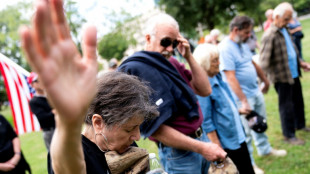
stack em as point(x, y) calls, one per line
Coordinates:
point(19, 94)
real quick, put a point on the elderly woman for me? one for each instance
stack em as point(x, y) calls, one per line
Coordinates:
point(221, 117)
point(120, 105)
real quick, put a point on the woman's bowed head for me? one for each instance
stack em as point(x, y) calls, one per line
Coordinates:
point(122, 103)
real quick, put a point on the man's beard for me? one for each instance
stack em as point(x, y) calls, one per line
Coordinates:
point(166, 54)
point(238, 40)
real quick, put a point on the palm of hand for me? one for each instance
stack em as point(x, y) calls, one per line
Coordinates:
point(69, 80)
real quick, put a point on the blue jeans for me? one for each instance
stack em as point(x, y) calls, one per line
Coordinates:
point(261, 142)
point(181, 161)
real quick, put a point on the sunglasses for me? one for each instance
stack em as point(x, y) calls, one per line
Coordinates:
point(166, 42)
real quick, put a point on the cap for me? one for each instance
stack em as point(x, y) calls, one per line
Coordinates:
point(32, 77)
point(257, 122)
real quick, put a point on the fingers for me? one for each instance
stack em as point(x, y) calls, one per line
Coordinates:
point(58, 18)
point(183, 41)
point(44, 33)
point(89, 43)
point(32, 55)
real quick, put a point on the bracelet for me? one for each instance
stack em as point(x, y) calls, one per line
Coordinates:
point(17, 153)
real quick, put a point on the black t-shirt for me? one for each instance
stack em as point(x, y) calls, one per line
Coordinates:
point(94, 158)
point(7, 134)
point(40, 107)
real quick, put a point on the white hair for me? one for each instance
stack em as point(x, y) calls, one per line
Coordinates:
point(203, 53)
point(215, 32)
point(281, 9)
point(159, 19)
point(268, 12)
point(295, 15)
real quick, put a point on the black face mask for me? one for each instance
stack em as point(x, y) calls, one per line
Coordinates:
point(166, 42)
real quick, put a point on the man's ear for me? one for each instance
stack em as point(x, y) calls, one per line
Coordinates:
point(148, 38)
point(277, 17)
point(235, 29)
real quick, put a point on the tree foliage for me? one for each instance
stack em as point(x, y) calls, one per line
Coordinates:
point(115, 43)
point(75, 21)
point(12, 17)
point(217, 13)
point(193, 13)
point(10, 20)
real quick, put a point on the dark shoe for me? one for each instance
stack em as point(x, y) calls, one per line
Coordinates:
point(305, 129)
point(294, 141)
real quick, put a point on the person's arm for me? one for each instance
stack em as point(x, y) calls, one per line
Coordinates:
point(11, 164)
point(292, 31)
point(235, 86)
point(214, 138)
point(207, 124)
point(69, 79)
point(173, 138)
point(265, 52)
point(10, 133)
point(5, 167)
point(263, 78)
point(17, 152)
point(304, 65)
point(199, 82)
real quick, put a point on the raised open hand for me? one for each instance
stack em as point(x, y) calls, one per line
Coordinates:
point(68, 78)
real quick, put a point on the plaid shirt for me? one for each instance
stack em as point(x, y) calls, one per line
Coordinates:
point(274, 58)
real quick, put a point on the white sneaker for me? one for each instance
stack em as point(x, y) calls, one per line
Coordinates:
point(277, 153)
point(258, 170)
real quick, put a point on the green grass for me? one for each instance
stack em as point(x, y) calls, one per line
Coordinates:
point(296, 162)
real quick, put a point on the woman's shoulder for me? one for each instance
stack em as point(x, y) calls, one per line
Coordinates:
point(94, 158)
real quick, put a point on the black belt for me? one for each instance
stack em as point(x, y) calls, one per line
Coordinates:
point(197, 133)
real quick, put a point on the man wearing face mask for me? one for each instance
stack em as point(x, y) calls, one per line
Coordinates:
point(241, 72)
point(281, 61)
point(177, 131)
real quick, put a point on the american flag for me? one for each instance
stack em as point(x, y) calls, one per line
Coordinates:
point(19, 93)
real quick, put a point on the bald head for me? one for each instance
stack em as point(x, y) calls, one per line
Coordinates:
point(282, 14)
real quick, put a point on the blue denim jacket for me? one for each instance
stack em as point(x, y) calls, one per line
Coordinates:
point(220, 115)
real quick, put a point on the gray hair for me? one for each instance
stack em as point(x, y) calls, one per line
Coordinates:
point(119, 98)
point(295, 14)
point(268, 12)
point(281, 9)
point(215, 32)
point(203, 53)
point(241, 22)
point(158, 19)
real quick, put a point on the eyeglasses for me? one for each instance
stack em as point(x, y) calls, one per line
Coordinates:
point(166, 42)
